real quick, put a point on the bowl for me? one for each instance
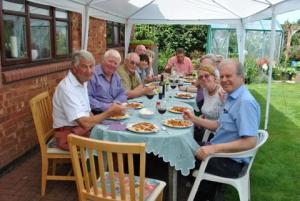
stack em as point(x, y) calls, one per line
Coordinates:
point(146, 113)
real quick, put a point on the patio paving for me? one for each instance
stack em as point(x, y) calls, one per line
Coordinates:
point(22, 182)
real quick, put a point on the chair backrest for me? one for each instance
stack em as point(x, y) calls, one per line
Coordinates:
point(122, 185)
point(41, 108)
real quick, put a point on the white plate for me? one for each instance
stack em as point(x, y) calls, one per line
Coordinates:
point(125, 116)
point(132, 128)
point(139, 106)
point(166, 123)
point(177, 112)
point(190, 96)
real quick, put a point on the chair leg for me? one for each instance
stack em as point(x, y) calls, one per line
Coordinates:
point(160, 197)
point(243, 190)
point(44, 175)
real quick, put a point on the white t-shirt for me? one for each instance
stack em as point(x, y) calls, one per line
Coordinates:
point(70, 102)
point(212, 105)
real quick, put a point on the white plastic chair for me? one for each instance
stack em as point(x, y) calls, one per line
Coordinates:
point(206, 135)
point(242, 184)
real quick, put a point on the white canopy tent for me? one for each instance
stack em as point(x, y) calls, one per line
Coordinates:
point(129, 12)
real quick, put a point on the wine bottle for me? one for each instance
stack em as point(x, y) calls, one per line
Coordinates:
point(161, 87)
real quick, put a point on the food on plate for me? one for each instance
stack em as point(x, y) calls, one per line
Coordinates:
point(143, 127)
point(178, 109)
point(184, 95)
point(189, 80)
point(177, 123)
point(119, 116)
point(135, 105)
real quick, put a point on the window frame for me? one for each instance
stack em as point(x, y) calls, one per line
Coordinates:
point(16, 63)
point(120, 27)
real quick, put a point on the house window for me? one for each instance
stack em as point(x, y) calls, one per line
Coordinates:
point(32, 33)
point(115, 34)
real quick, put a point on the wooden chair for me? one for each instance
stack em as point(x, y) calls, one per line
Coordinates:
point(41, 108)
point(111, 185)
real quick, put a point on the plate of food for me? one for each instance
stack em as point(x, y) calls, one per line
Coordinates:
point(119, 116)
point(135, 105)
point(178, 109)
point(143, 127)
point(177, 123)
point(189, 80)
point(184, 95)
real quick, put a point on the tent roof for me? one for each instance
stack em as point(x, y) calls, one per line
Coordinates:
point(178, 11)
point(263, 25)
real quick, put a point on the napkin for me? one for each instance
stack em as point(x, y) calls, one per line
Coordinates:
point(115, 125)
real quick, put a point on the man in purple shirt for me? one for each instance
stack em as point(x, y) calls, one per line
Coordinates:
point(105, 87)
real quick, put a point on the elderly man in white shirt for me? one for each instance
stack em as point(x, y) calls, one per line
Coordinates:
point(71, 108)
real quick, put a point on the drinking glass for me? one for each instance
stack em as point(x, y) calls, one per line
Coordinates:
point(162, 108)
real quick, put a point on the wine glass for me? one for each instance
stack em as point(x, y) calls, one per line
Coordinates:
point(150, 96)
point(161, 107)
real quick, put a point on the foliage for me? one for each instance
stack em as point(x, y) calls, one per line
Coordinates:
point(289, 71)
point(196, 63)
point(163, 59)
point(171, 37)
point(196, 54)
point(276, 73)
point(142, 42)
point(252, 71)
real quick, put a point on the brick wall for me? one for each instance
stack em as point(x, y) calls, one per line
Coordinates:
point(17, 131)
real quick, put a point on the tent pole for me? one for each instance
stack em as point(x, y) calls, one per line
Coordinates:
point(241, 37)
point(128, 28)
point(271, 64)
point(85, 28)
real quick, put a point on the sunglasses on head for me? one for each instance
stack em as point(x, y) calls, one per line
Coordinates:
point(204, 76)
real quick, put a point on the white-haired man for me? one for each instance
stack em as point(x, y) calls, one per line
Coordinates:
point(71, 107)
point(130, 79)
point(236, 128)
point(105, 87)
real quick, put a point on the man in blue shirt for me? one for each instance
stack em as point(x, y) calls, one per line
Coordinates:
point(105, 87)
point(236, 128)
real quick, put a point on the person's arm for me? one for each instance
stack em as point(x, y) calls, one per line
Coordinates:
point(121, 97)
point(92, 93)
point(201, 122)
point(90, 121)
point(169, 66)
point(244, 143)
point(138, 91)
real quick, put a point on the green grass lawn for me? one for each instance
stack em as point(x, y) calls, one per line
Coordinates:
point(275, 174)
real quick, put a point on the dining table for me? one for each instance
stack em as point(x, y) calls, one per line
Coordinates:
point(176, 146)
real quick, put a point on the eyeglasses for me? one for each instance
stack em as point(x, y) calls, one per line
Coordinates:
point(206, 76)
point(133, 63)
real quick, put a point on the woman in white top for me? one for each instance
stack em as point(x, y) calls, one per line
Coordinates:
point(212, 92)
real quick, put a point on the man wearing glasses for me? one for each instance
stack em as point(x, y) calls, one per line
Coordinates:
point(130, 79)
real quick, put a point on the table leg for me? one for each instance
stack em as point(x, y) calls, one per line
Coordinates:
point(172, 180)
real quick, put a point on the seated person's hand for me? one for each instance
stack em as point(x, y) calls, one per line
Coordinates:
point(205, 151)
point(116, 108)
point(147, 90)
point(187, 115)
